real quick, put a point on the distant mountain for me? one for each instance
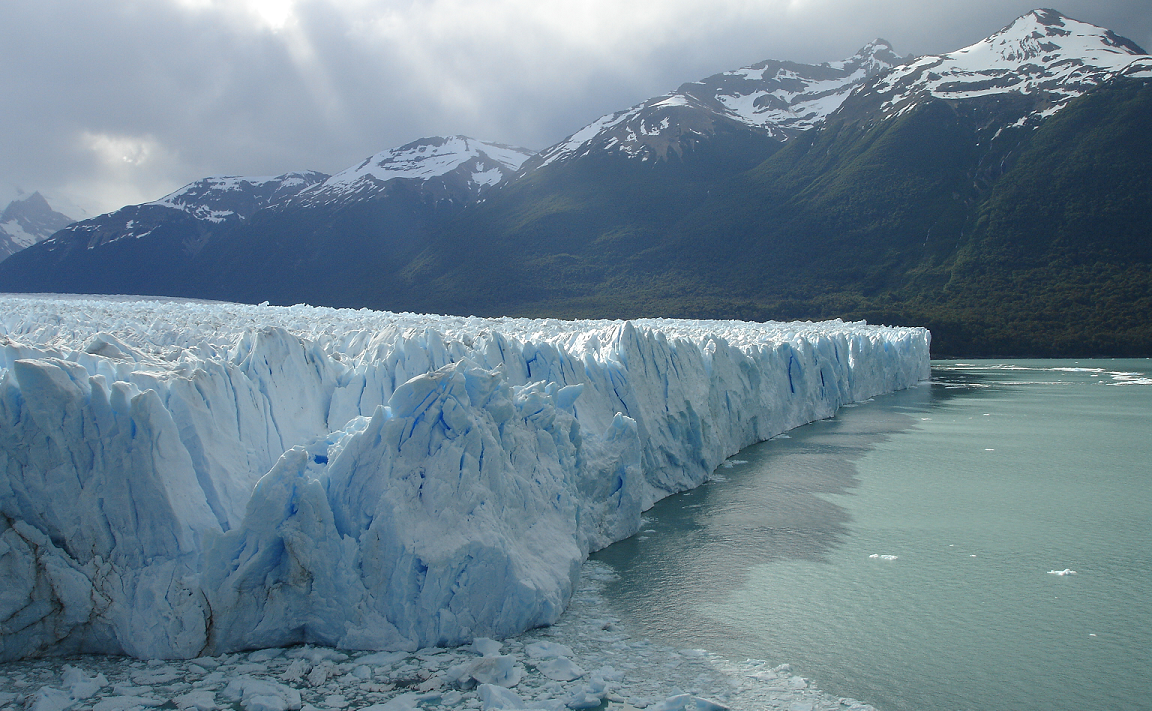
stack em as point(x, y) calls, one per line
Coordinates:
point(1000, 194)
point(26, 221)
point(190, 216)
point(273, 237)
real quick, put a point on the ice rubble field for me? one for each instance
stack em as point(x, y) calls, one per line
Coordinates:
point(586, 660)
point(186, 479)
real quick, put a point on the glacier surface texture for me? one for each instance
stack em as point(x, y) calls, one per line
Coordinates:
point(180, 479)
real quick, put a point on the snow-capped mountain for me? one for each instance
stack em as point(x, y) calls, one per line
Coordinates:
point(780, 98)
point(27, 221)
point(229, 197)
point(778, 190)
point(1043, 56)
point(197, 211)
point(454, 168)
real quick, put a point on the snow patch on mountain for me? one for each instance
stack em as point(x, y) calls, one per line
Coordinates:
point(217, 199)
point(472, 165)
point(185, 478)
point(779, 98)
point(1042, 54)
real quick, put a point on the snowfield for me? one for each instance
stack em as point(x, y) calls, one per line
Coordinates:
point(185, 479)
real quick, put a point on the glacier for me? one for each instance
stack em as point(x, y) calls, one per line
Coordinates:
point(185, 478)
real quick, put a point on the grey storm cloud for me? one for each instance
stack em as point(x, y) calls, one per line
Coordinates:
point(111, 102)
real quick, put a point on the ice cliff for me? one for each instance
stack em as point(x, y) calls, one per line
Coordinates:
point(182, 479)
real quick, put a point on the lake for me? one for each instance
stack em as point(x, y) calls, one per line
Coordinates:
point(982, 541)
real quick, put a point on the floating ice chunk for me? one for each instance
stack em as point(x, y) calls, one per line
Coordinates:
point(547, 650)
point(883, 556)
point(198, 700)
point(486, 647)
point(672, 703)
point(79, 685)
point(498, 697)
point(1066, 571)
point(49, 699)
point(261, 694)
point(581, 699)
point(560, 669)
point(319, 674)
point(403, 702)
point(127, 703)
point(499, 671)
point(265, 655)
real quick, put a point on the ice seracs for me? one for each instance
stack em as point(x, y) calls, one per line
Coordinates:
point(183, 479)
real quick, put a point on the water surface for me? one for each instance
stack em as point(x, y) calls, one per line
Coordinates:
point(908, 551)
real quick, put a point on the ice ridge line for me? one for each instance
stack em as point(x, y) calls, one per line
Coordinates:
point(182, 479)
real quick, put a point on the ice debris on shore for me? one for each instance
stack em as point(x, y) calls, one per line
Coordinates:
point(182, 479)
point(609, 669)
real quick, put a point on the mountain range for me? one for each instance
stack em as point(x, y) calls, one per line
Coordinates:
point(1000, 195)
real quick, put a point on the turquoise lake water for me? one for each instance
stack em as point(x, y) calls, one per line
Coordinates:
point(982, 542)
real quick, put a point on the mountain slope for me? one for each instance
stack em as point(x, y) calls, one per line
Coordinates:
point(781, 99)
point(26, 221)
point(998, 194)
point(905, 216)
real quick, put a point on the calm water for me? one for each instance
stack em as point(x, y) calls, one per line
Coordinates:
point(979, 484)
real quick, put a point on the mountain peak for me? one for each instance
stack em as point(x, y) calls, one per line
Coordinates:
point(220, 198)
point(472, 164)
point(26, 221)
point(779, 98)
point(1046, 16)
point(35, 201)
point(431, 157)
point(1043, 55)
point(1044, 30)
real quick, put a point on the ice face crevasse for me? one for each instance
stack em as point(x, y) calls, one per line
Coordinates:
point(182, 479)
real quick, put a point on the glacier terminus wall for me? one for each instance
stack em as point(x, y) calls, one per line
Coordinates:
point(180, 479)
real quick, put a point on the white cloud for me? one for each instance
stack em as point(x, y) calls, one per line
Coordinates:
point(114, 100)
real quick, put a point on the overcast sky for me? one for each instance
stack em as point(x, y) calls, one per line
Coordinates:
point(105, 103)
